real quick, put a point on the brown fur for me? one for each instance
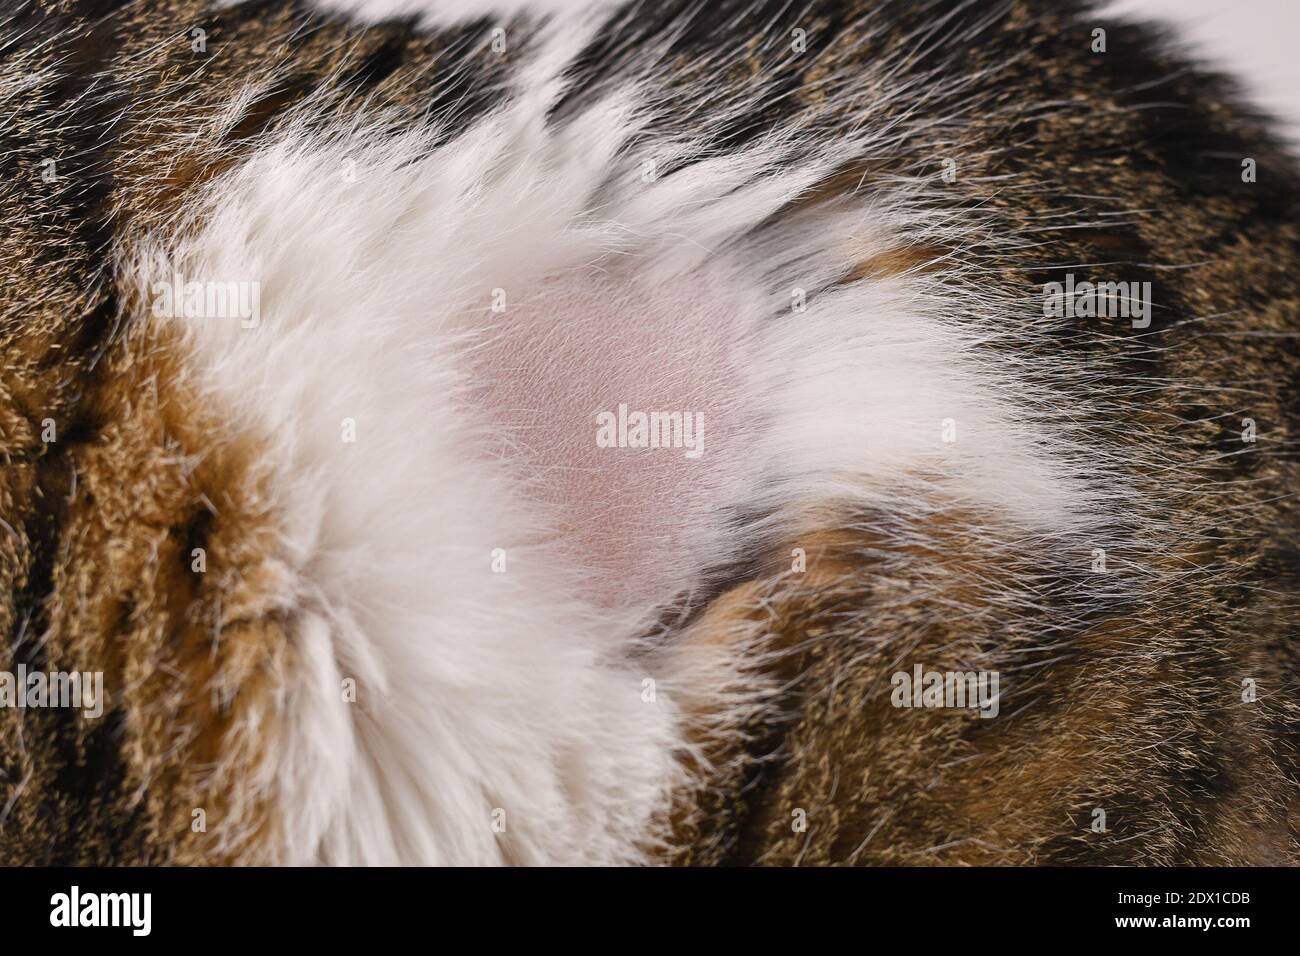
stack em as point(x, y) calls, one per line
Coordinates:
point(1133, 706)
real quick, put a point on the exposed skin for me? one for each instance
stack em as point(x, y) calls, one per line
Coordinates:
point(1125, 161)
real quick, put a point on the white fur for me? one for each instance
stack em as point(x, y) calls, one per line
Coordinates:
point(443, 12)
point(376, 256)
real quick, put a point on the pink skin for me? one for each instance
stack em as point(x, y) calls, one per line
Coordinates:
point(583, 345)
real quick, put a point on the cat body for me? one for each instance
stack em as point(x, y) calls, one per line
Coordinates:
point(986, 325)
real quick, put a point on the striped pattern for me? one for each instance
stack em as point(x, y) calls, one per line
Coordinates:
point(1121, 692)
